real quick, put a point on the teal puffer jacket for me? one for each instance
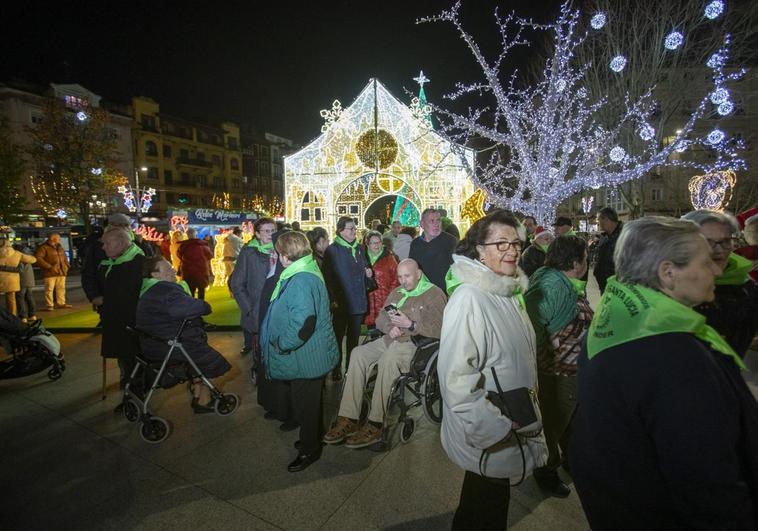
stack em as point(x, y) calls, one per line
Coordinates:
point(297, 338)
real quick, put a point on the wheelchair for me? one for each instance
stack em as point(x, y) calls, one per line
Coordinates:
point(147, 376)
point(421, 382)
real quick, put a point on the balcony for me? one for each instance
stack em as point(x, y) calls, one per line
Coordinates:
point(188, 161)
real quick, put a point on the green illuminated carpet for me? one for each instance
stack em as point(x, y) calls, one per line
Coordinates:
point(225, 313)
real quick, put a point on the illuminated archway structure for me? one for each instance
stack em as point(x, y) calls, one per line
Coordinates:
point(376, 147)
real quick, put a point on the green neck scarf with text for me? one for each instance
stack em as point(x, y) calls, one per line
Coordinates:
point(630, 311)
point(339, 240)
point(424, 285)
point(372, 258)
point(306, 264)
point(128, 255)
point(736, 272)
point(148, 283)
point(267, 248)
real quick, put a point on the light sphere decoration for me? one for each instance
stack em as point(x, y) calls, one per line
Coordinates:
point(61, 214)
point(48, 147)
point(714, 9)
point(715, 61)
point(81, 116)
point(618, 63)
point(673, 40)
point(712, 191)
point(725, 108)
point(96, 171)
point(646, 132)
point(598, 21)
point(719, 96)
point(716, 137)
point(617, 154)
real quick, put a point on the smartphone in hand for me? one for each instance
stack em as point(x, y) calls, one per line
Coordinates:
point(391, 309)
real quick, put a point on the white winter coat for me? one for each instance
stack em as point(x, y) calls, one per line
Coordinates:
point(483, 327)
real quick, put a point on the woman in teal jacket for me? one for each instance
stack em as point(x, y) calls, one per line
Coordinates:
point(297, 340)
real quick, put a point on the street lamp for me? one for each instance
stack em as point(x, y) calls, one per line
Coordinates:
point(137, 199)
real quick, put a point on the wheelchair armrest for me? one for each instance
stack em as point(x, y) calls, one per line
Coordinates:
point(141, 333)
point(423, 341)
point(425, 349)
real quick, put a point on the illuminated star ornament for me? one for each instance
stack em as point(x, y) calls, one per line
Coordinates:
point(712, 191)
point(421, 79)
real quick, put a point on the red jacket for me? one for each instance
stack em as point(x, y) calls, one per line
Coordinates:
point(385, 273)
point(751, 253)
point(195, 256)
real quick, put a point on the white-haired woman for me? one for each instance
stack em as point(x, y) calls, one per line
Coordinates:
point(487, 342)
point(734, 310)
point(666, 430)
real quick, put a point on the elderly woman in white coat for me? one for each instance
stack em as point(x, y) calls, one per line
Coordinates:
point(486, 327)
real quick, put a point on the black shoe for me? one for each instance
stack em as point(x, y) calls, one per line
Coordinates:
point(550, 483)
point(269, 415)
point(289, 425)
point(245, 351)
point(303, 461)
point(199, 410)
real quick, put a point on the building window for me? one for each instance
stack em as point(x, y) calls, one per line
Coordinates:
point(201, 181)
point(317, 214)
point(166, 151)
point(152, 173)
point(656, 194)
point(151, 150)
point(148, 122)
point(235, 183)
point(216, 160)
point(232, 143)
point(218, 182)
point(185, 178)
point(168, 177)
point(200, 155)
point(235, 202)
point(183, 153)
point(305, 214)
point(36, 117)
point(74, 102)
point(613, 199)
point(234, 163)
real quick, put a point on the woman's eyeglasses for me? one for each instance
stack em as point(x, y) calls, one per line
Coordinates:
point(504, 246)
point(725, 244)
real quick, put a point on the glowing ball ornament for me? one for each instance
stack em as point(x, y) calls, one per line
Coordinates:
point(725, 108)
point(715, 61)
point(81, 116)
point(714, 9)
point(96, 171)
point(598, 21)
point(646, 132)
point(712, 191)
point(719, 96)
point(716, 137)
point(618, 154)
point(618, 63)
point(673, 40)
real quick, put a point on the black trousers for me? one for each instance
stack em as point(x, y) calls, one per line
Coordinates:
point(483, 504)
point(347, 325)
point(25, 305)
point(196, 288)
point(306, 409)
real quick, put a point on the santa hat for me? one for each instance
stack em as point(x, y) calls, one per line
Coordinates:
point(744, 216)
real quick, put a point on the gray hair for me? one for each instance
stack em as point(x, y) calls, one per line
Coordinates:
point(701, 217)
point(118, 233)
point(191, 233)
point(645, 243)
point(372, 234)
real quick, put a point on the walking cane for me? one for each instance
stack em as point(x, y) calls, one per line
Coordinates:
point(103, 397)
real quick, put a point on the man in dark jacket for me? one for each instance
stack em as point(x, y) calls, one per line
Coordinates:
point(121, 277)
point(609, 223)
point(433, 250)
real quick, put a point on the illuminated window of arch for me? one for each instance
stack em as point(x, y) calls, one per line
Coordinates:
point(389, 183)
point(312, 207)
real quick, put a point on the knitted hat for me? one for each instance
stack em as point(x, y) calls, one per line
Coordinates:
point(119, 219)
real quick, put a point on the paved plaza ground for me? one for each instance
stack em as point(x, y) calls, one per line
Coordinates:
point(69, 462)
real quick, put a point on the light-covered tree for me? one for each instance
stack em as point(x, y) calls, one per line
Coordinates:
point(11, 173)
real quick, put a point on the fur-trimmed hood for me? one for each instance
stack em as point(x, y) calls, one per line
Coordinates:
point(477, 274)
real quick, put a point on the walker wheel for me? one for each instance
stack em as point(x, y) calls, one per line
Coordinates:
point(54, 373)
point(155, 430)
point(227, 404)
point(407, 430)
point(131, 410)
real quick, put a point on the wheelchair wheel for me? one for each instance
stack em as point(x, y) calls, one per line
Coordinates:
point(155, 430)
point(406, 430)
point(227, 404)
point(54, 373)
point(432, 396)
point(131, 410)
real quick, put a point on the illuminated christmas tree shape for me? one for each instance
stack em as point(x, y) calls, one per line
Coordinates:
point(374, 148)
point(549, 143)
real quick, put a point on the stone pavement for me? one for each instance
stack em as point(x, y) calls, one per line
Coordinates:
point(69, 462)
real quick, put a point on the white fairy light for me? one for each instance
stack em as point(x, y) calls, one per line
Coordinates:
point(618, 63)
point(673, 40)
point(714, 9)
point(598, 20)
point(81, 116)
point(617, 154)
point(725, 108)
point(96, 171)
point(720, 95)
point(716, 137)
point(681, 146)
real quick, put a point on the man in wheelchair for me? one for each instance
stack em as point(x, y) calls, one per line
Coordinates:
point(415, 308)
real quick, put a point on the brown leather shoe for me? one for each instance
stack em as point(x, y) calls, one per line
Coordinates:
point(343, 428)
point(368, 435)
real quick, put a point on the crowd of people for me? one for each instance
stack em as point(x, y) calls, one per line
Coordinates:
point(639, 400)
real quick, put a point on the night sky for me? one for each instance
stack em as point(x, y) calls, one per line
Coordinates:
point(272, 64)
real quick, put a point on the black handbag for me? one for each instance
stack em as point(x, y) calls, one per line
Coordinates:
point(371, 284)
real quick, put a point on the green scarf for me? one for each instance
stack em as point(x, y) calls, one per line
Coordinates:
point(339, 240)
point(736, 272)
point(148, 283)
point(451, 281)
point(543, 247)
point(372, 258)
point(127, 256)
point(263, 249)
point(631, 311)
point(306, 264)
point(570, 233)
point(579, 285)
point(422, 287)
